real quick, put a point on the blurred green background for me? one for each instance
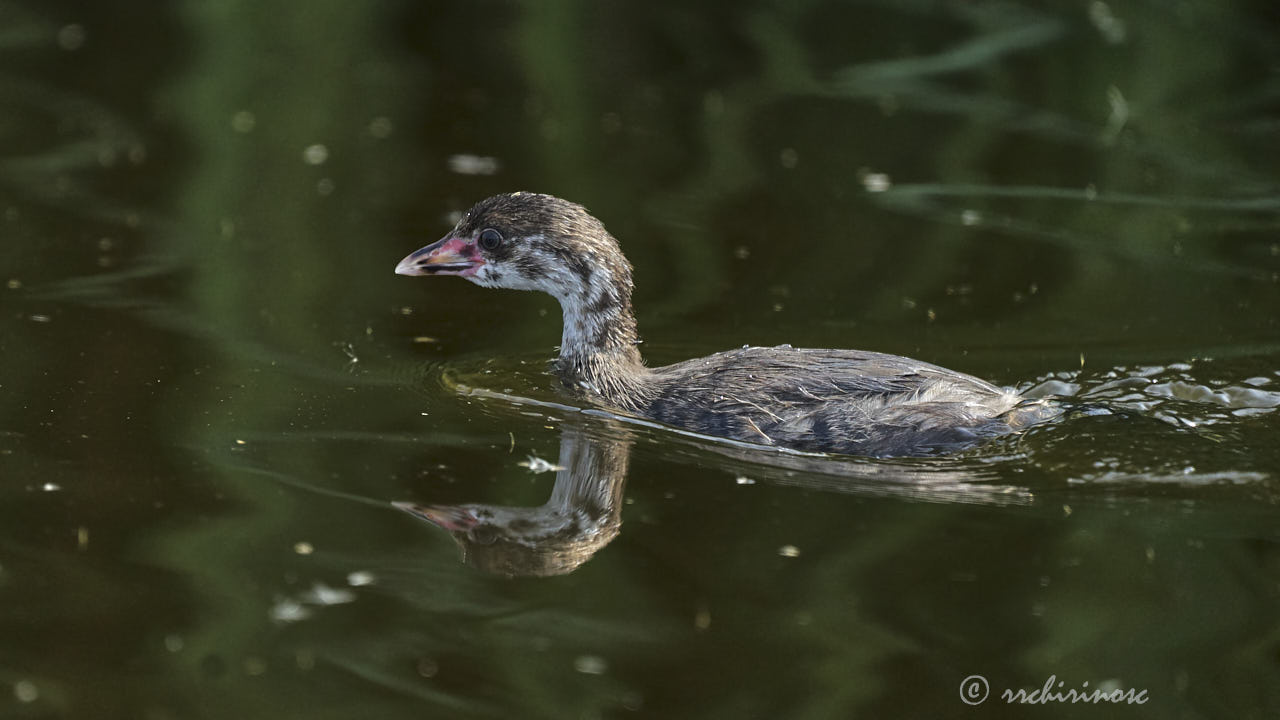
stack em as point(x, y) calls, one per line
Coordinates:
point(212, 385)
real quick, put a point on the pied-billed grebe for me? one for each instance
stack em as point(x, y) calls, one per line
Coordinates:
point(843, 401)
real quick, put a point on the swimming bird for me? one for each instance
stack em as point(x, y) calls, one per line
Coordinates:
point(830, 401)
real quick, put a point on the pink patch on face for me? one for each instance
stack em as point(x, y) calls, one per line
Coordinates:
point(465, 250)
point(456, 246)
point(450, 256)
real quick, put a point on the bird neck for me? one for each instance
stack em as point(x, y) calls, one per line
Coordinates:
point(598, 352)
point(591, 476)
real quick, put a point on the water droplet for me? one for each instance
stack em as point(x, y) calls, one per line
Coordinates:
point(288, 610)
point(380, 127)
point(590, 665)
point(321, 594)
point(315, 154)
point(26, 691)
point(464, 164)
point(360, 578)
point(243, 121)
point(876, 182)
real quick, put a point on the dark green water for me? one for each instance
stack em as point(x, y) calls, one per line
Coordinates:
point(212, 386)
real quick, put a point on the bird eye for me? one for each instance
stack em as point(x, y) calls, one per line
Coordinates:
point(490, 239)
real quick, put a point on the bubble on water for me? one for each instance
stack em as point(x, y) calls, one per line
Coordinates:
point(26, 691)
point(876, 182)
point(288, 610)
point(243, 121)
point(464, 164)
point(321, 594)
point(315, 154)
point(380, 127)
point(590, 665)
point(360, 578)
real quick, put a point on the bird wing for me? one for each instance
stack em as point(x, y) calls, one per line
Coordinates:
point(845, 400)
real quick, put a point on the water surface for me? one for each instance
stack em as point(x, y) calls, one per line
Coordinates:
point(214, 388)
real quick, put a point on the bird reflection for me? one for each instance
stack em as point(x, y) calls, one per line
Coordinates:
point(583, 514)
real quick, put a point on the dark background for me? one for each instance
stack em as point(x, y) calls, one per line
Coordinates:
point(211, 383)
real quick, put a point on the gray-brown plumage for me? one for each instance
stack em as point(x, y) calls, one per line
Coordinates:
point(844, 401)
